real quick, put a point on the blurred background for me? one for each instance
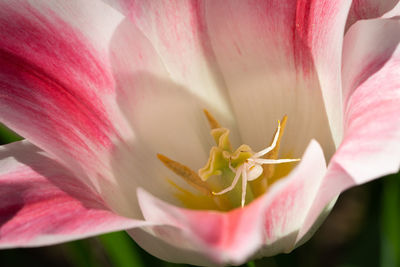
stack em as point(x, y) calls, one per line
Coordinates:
point(362, 230)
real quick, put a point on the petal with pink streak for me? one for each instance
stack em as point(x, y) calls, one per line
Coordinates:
point(371, 86)
point(211, 34)
point(277, 58)
point(56, 87)
point(269, 225)
point(177, 32)
point(42, 203)
point(163, 115)
point(371, 146)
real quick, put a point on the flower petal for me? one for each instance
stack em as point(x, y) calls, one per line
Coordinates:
point(162, 88)
point(176, 30)
point(163, 115)
point(56, 86)
point(270, 223)
point(371, 85)
point(42, 203)
point(184, 77)
point(277, 58)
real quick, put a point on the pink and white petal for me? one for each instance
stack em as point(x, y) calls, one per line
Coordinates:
point(56, 85)
point(371, 147)
point(42, 203)
point(177, 32)
point(281, 58)
point(371, 85)
point(334, 182)
point(270, 223)
point(163, 115)
point(368, 9)
point(292, 200)
point(164, 250)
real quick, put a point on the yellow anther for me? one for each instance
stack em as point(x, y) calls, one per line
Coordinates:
point(186, 173)
point(211, 120)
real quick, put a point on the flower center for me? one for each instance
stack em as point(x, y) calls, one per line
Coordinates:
point(218, 179)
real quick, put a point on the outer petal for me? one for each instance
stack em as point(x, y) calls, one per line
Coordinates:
point(42, 203)
point(281, 57)
point(371, 85)
point(270, 223)
point(56, 86)
point(371, 146)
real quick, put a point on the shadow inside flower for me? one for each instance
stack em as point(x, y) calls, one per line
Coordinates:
point(164, 117)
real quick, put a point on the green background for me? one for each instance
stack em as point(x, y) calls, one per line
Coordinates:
point(362, 230)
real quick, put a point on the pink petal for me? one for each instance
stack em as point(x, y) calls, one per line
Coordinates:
point(56, 85)
point(277, 58)
point(163, 115)
point(163, 83)
point(270, 223)
point(42, 203)
point(371, 84)
point(162, 86)
point(264, 52)
point(371, 146)
point(177, 32)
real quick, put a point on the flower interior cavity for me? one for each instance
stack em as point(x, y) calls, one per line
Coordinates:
point(227, 166)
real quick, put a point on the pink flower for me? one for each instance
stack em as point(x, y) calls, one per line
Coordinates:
point(99, 88)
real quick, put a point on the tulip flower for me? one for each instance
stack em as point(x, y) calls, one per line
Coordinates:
point(110, 97)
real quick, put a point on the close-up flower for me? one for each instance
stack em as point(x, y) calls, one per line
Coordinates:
point(213, 132)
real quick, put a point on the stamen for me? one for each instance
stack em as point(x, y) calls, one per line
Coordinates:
point(211, 120)
point(260, 186)
point(186, 173)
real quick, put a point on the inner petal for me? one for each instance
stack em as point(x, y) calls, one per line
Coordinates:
point(269, 70)
point(165, 117)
